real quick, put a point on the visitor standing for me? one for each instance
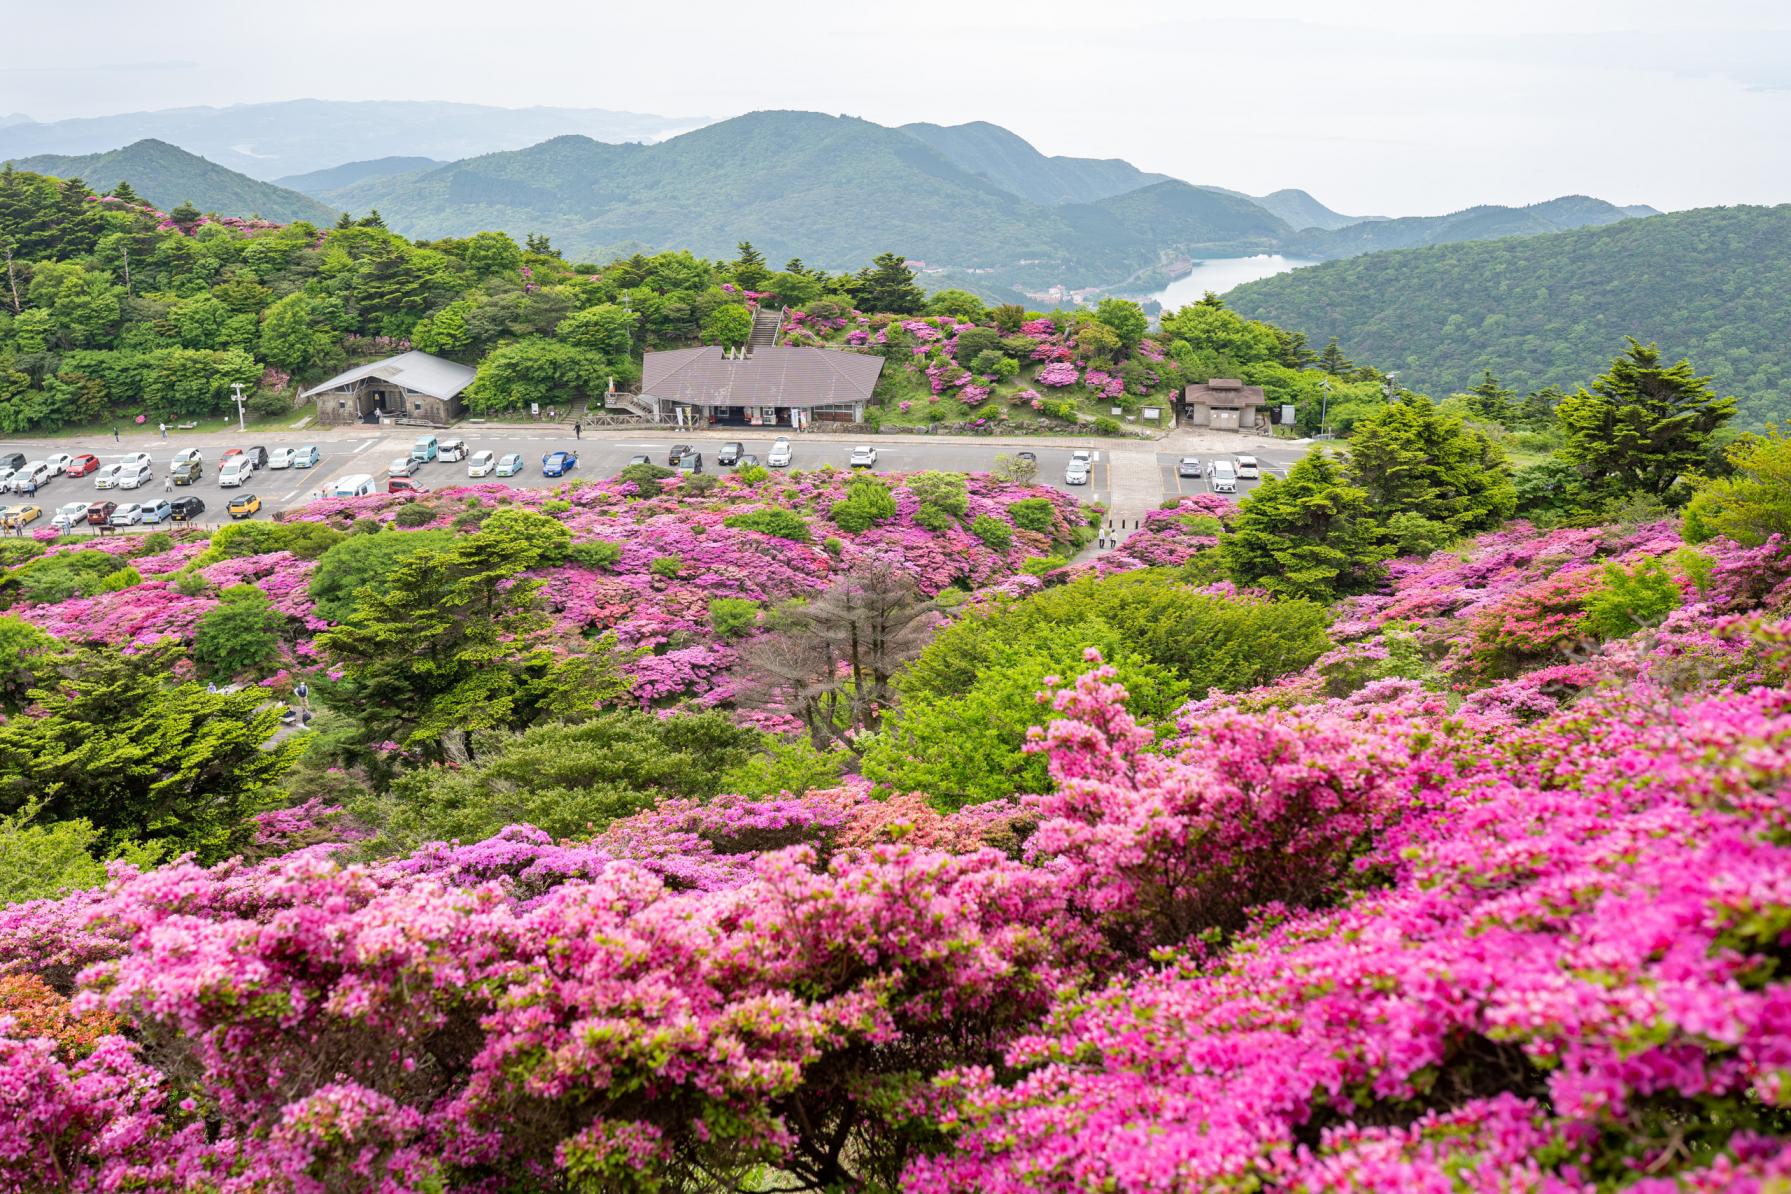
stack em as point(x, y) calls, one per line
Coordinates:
point(114, 433)
point(578, 430)
point(164, 428)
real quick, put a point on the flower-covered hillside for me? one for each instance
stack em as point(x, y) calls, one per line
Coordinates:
point(678, 573)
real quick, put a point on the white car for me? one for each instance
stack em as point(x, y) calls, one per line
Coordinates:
point(59, 462)
point(400, 467)
point(280, 458)
point(1223, 477)
point(184, 455)
point(70, 516)
point(106, 477)
point(864, 456)
point(128, 515)
point(28, 478)
point(779, 456)
point(235, 471)
point(135, 475)
point(136, 458)
point(1248, 469)
point(481, 464)
point(451, 450)
point(1076, 473)
point(353, 485)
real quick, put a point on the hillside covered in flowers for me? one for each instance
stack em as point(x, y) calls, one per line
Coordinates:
point(829, 832)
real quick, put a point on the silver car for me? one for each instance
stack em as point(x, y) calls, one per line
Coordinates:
point(780, 454)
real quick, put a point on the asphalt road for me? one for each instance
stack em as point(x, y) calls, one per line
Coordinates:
point(347, 451)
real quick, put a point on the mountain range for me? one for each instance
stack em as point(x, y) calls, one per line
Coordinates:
point(1712, 285)
point(272, 140)
point(974, 204)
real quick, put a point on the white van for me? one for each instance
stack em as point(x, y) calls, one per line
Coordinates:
point(1248, 470)
point(28, 478)
point(133, 476)
point(236, 470)
point(1223, 477)
point(452, 450)
point(353, 485)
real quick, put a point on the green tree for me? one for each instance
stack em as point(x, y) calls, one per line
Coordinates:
point(887, 286)
point(1753, 503)
point(143, 758)
point(1410, 457)
point(536, 371)
point(1311, 534)
point(748, 268)
point(728, 325)
point(1643, 426)
point(606, 328)
point(26, 654)
point(240, 634)
point(1126, 319)
point(291, 336)
point(455, 643)
point(867, 503)
point(959, 304)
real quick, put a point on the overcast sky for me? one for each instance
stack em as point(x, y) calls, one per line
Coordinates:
point(1376, 106)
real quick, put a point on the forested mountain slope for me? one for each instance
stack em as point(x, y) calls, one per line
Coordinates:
point(168, 176)
point(1712, 284)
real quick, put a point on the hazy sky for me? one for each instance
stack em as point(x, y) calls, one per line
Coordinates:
point(1376, 106)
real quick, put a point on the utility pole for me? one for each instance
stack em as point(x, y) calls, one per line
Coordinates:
point(13, 280)
point(1324, 410)
point(236, 388)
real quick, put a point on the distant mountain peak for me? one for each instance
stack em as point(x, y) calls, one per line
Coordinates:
point(167, 176)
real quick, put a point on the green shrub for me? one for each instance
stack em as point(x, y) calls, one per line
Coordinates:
point(782, 524)
point(1039, 565)
point(646, 476)
point(867, 502)
point(933, 519)
point(123, 578)
point(949, 492)
point(189, 583)
point(306, 540)
point(994, 533)
point(469, 520)
point(57, 578)
point(833, 546)
point(1032, 514)
point(595, 553)
point(155, 543)
point(1415, 535)
point(414, 514)
point(240, 634)
point(752, 474)
point(363, 560)
point(555, 506)
point(1107, 425)
point(1629, 601)
point(699, 483)
point(668, 567)
point(17, 551)
point(731, 616)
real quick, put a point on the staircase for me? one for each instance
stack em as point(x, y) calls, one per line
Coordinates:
point(766, 324)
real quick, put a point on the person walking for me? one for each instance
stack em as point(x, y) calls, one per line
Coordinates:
point(167, 484)
point(115, 433)
point(578, 430)
point(164, 429)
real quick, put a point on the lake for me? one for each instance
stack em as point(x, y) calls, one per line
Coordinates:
point(1220, 274)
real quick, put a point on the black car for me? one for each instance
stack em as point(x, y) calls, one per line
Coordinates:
point(747, 460)
point(258, 455)
point(730, 452)
point(690, 462)
point(12, 460)
point(677, 453)
point(186, 509)
point(640, 458)
point(1028, 457)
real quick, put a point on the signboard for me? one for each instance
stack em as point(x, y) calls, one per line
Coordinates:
point(1153, 412)
point(1287, 413)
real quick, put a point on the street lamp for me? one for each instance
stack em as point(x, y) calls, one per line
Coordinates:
point(1324, 410)
point(236, 388)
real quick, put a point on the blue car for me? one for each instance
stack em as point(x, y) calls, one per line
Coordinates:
point(558, 464)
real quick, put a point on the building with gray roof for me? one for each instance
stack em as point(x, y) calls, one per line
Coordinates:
point(412, 387)
point(765, 386)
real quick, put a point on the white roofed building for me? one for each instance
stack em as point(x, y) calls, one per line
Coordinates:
point(412, 387)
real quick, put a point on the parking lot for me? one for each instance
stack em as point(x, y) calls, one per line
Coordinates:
point(349, 451)
point(1176, 485)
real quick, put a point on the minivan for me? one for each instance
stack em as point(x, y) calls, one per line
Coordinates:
point(1248, 469)
point(30, 476)
point(425, 449)
point(186, 509)
point(452, 450)
point(236, 470)
point(780, 453)
point(157, 511)
point(131, 476)
point(188, 472)
point(1223, 477)
point(690, 462)
point(354, 485)
point(107, 476)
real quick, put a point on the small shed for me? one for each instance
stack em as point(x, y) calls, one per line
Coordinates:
point(1225, 404)
point(412, 387)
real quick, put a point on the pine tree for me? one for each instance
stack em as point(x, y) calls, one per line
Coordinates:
point(1332, 360)
point(887, 286)
point(123, 191)
point(1490, 400)
point(344, 221)
point(1642, 426)
point(1310, 535)
point(748, 267)
point(185, 215)
point(372, 220)
point(1411, 458)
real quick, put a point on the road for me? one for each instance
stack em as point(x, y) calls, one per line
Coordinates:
point(1128, 477)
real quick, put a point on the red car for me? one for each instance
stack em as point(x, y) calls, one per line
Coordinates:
point(83, 464)
point(404, 485)
point(100, 513)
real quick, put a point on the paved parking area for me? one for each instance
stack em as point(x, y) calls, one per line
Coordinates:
point(602, 453)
